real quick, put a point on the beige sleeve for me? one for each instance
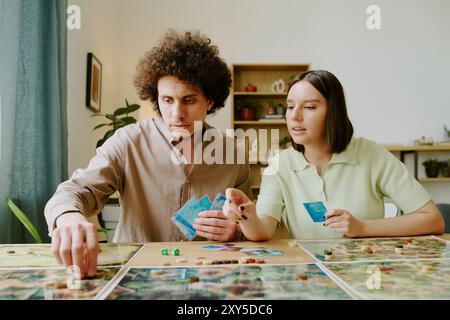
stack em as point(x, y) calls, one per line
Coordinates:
point(87, 191)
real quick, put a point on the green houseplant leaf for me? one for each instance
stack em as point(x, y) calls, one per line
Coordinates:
point(119, 119)
point(23, 219)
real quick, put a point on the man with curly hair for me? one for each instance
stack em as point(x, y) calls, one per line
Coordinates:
point(151, 162)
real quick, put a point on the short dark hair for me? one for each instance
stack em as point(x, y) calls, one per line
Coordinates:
point(191, 58)
point(338, 127)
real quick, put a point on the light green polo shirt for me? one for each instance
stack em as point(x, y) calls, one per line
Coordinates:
point(357, 180)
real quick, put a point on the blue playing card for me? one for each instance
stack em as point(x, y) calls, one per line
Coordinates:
point(181, 223)
point(184, 218)
point(316, 210)
point(218, 202)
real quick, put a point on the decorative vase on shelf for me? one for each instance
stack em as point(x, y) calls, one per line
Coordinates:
point(247, 114)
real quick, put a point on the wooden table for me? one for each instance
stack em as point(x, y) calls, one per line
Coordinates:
point(150, 254)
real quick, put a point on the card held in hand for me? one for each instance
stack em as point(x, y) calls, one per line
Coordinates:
point(316, 210)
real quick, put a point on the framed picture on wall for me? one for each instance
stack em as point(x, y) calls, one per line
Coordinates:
point(93, 83)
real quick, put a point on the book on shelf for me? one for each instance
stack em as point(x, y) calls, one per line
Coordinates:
point(282, 120)
point(272, 116)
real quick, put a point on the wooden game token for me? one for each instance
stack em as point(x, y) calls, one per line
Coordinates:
point(386, 269)
point(250, 260)
point(364, 248)
point(167, 264)
point(238, 290)
point(10, 251)
point(301, 277)
point(30, 252)
point(226, 261)
point(327, 252)
point(328, 257)
point(243, 261)
point(217, 262)
point(198, 262)
point(61, 285)
point(181, 260)
point(207, 262)
point(157, 272)
point(193, 279)
point(426, 267)
point(165, 252)
point(201, 258)
point(234, 261)
point(370, 250)
point(292, 243)
point(55, 285)
point(260, 261)
point(176, 252)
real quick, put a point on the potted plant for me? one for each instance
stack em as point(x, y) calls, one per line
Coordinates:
point(432, 168)
point(120, 118)
point(445, 168)
point(285, 142)
point(247, 109)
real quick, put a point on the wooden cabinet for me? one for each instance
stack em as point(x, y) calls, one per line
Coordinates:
point(261, 88)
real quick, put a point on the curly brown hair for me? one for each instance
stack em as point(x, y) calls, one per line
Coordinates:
point(191, 58)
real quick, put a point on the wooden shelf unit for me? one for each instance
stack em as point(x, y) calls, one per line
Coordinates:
point(262, 76)
point(415, 150)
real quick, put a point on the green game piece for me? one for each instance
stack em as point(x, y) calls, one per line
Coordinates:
point(176, 252)
point(165, 252)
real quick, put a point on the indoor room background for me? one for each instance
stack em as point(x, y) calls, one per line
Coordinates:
point(395, 78)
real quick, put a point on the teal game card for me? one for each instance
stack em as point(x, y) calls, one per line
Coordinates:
point(316, 210)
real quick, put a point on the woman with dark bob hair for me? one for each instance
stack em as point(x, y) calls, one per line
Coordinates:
point(151, 163)
point(328, 168)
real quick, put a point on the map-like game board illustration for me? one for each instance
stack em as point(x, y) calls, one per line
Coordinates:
point(40, 255)
point(51, 284)
point(408, 279)
point(306, 281)
point(427, 247)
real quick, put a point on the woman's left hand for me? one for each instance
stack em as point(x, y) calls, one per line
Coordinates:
point(343, 222)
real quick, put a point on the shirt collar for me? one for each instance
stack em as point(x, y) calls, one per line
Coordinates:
point(298, 162)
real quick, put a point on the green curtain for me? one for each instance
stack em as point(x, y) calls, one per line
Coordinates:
point(33, 94)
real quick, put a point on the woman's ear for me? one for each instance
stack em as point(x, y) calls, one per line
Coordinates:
point(210, 104)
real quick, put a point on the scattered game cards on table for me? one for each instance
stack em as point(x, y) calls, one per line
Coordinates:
point(184, 218)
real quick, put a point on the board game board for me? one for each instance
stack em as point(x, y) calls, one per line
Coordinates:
point(50, 284)
point(427, 247)
point(408, 279)
point(40, 255)
point(305, 281)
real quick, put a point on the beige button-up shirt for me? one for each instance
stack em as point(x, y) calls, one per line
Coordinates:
point(137, 161)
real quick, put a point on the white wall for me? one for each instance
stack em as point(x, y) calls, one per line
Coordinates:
point(99, 35)
point(395, 78)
